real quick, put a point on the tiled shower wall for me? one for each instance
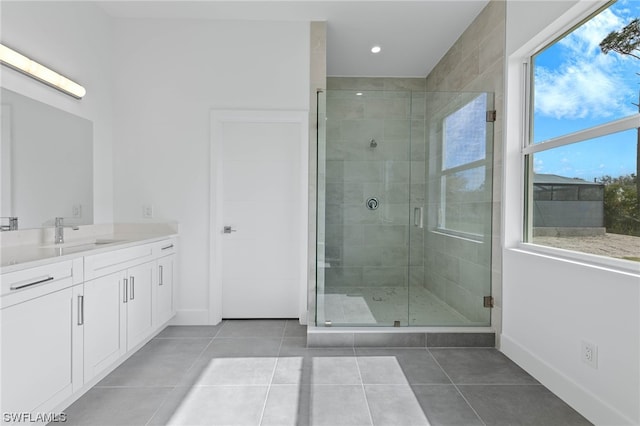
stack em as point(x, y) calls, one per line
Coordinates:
point(370, 248)
point(366, 248)
point(460, 271)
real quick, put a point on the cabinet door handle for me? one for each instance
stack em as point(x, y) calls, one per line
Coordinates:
point(38, 281)
point(80, 310)
point(125, 287)
point(167, 247)
point(161, 273)
point(133, 288)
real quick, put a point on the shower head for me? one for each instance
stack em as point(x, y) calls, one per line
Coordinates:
point(373, 143)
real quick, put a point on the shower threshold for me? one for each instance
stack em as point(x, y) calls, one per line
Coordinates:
point(432, 337)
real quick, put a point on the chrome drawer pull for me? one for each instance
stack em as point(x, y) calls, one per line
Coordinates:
point(167, 247)
point(161, 275)
point(133, 289)
point(80, 310)
point(39, 281)
point(124, 290)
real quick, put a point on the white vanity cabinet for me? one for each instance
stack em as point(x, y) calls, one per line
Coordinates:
point(105, 338)
point(139, 303)
point(118, 305)
point(39, 320)
point(66, 324)
point(164, 300)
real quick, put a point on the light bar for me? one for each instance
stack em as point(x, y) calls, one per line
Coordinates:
point(27, 66)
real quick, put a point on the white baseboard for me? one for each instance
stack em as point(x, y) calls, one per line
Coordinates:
point(582, 400)
point(191, 317)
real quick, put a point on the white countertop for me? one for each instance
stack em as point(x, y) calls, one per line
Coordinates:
point(28, 254)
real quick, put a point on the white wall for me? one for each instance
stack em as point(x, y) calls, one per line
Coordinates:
point(75, 39)
point(170, 74)
point(552, 304)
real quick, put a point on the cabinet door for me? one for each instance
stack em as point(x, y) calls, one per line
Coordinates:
point(164, 290)
point(105, 338)
point(140, 303)
point(36, 353)
point(77, 337)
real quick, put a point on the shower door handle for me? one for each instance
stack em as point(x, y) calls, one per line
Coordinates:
point(417, 217)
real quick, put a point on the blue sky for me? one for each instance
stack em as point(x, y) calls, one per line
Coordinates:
point(576, 86)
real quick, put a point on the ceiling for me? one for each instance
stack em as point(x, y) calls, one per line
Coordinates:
point(414, 35)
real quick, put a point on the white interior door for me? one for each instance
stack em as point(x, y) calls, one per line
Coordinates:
point(261, 197)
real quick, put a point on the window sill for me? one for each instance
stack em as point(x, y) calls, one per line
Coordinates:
point(592, 260)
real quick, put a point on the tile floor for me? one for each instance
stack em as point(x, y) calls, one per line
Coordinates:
point(363, 306)
point(261, 373)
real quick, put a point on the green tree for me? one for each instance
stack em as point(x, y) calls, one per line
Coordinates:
point(626, 42)
point(620, 201)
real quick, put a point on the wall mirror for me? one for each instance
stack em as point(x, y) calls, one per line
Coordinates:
point(46, 163)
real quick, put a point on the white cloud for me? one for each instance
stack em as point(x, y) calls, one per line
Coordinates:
point(587, 38)
point(587, 84)
point(581, 90)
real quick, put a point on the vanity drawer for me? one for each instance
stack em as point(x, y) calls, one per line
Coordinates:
point(29, 283)
point(165, 247)
point(102, 264)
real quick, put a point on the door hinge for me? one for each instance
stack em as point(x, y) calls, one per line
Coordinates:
point(487, 302)
point(491, 116)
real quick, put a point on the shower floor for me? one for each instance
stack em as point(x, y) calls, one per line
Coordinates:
point(383, 305)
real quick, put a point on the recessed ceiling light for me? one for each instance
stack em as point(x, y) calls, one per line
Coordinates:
point(359, 94)
point(376, 49)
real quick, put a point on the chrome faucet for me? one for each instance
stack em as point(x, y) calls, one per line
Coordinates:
point(59, 237)
point(13, 224)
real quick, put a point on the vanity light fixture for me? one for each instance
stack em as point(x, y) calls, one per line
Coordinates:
point(376, 49)
point(19, 62)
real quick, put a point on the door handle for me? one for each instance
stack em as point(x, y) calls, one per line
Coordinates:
point(125, 288)
point(80, 310)
point(133, 288)
point(417, 217)
point(161, 275)
point(228, 230)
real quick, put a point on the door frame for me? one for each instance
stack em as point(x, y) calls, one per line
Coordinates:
point(216, 197)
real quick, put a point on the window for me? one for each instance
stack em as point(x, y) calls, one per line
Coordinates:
point(582, 154)
point(465, 174)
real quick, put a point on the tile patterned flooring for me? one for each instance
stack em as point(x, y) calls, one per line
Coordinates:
point(260, 372)
point(362, 306)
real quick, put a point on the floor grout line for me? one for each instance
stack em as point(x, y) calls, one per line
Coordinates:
point(273, 374)
point(173, 388)
point(364, 391)
point(457, 389)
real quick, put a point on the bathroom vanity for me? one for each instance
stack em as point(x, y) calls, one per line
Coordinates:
point(72, 312)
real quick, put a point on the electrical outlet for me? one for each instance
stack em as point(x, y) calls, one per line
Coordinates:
point(147, 211)
point(76, 210)
point(589, 354)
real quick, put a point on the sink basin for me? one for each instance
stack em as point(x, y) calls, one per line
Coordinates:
point(82, 245)
point(100, 242)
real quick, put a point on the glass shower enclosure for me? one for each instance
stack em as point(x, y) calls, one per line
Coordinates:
point(404, 208)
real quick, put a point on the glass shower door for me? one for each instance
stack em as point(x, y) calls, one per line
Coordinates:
point(404, 208)
point(363, 208)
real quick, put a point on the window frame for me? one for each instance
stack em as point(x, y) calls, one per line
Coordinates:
point(442, 173)
point(528, 148)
